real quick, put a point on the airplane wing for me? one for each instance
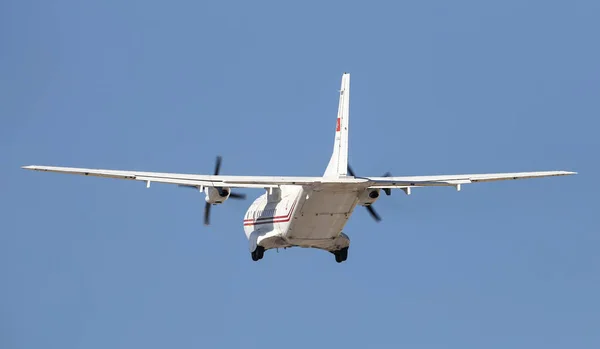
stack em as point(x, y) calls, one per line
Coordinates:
point(184, 179)
point(455, 180)
point(199, 180)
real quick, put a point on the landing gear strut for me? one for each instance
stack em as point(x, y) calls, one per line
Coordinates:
point(341, 255)
point(258, 254)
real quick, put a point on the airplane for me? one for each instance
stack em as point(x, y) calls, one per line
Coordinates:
point(307, 212)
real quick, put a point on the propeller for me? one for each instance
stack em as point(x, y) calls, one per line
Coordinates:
point(370, 208)
point(222, 192)
point(217, 170)
point(207, 213)
point(387, 191)
point(373, 213)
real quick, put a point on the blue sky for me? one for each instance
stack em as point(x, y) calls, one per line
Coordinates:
point(437, 88)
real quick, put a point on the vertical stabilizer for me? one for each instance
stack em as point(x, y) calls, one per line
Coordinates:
point(338, 164)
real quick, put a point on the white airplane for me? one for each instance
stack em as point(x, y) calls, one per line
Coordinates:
point(308, 212)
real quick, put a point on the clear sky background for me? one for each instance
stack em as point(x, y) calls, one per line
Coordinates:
point(438, 87)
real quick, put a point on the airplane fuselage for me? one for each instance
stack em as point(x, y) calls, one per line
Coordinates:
point(300, 216)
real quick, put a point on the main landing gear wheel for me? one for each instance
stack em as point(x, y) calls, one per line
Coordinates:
point(258, 254)
point(341, 255)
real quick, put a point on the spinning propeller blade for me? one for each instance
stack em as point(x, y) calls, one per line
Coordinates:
point(207, 213)
point(218, 165)
point(232, 195)
point(237, 196)
point(373, 213)
point(370, 208)
point(387, 191)
point(350, 171)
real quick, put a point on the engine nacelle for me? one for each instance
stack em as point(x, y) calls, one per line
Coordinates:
point(216, 195)
point(368, 197)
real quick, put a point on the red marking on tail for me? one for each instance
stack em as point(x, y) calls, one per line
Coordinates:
point(337, 129)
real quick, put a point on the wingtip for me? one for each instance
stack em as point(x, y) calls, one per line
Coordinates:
point(34, 167)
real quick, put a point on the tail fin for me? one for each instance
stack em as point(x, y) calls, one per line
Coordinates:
point(338, 164)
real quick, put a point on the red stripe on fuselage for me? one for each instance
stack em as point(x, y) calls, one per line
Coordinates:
point(274, 219)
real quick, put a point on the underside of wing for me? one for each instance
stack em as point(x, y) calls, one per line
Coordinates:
point(184, 179)
point(456, 180)
point(199, 180)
